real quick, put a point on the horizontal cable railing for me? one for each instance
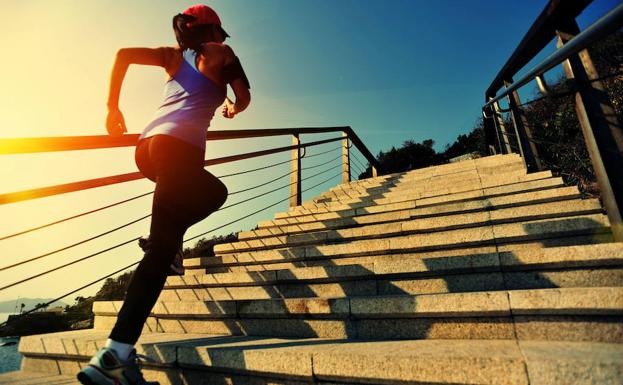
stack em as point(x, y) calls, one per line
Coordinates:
point(298, 152)
point(149, 193)
point(595, 111)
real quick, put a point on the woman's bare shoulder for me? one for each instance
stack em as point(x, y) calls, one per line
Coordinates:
point(172, 57)
point(222, 50)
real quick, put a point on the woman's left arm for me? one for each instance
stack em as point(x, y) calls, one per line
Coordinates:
point(162, 57)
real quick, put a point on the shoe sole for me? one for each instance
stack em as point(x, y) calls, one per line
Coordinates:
point(92, 376)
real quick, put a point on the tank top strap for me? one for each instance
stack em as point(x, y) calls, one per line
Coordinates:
point(190, 57)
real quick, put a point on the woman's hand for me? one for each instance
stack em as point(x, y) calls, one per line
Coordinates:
point(115, 124)
point(228, 109)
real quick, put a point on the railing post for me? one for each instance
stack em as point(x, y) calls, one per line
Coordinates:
point(295, 178)
point(601, 129)
point(523, 131)
point(345, 158)
point(501, 128)
point(375, 172)
point(492, 136)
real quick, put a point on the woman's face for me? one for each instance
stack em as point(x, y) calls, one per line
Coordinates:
point(219, 37)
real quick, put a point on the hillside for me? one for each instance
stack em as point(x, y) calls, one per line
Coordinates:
point(11, 305)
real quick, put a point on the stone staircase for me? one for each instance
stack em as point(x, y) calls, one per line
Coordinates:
point(468, 273)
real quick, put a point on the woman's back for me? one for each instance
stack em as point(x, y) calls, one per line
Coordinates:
point(189, 101)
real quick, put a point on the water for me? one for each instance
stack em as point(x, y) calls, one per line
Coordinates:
point(9, 357)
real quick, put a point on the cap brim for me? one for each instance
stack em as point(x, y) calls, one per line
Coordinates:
point(224, 32)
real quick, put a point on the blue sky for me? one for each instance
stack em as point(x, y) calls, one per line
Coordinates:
point(392, 70)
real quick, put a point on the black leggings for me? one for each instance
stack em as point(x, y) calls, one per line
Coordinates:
point(185, 194)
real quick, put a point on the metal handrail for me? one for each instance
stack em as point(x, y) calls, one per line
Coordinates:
point(72, 143)
point(52, 144)
point(41, 192)
point(594, 108)
point(602, 27)
point(542, 31)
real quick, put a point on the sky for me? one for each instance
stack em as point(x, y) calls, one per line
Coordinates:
point(393, 70)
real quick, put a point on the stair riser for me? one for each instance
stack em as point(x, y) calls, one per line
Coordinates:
point(440, 173)
point(601, 307)
point(397, 196)
point(592, 277)
point(502, 362)
point(431, 184)
point(436, 175)
point(358, 207)
point(334, 221)
point(525, 257)
point(419, 225)
point(466, 237)
point(472, 180)
point(331, 261)
point(554, 328)
point(164, 375)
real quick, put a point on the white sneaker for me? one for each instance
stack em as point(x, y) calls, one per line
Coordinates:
point(106, 368)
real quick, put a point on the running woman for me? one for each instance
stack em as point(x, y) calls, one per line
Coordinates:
point(171, 153)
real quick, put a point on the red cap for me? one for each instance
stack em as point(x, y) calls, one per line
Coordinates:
point(203, 15)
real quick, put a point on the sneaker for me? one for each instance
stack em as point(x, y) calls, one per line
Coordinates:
point(177, 266)
point(106, 368)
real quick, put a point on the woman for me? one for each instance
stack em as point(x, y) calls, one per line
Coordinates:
point(170, 152)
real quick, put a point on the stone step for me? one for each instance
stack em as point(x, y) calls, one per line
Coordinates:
point(467, 178)
point(595, 225)
point(335, 221)
point(491, 165)
point(407, 193)
point(207, 359)
point(342, 260)
point(484, 165)
point(419, 225)
point(574, 266)
point(419, 175)
point(36, 378)
point(501, 176)
point(359, 207)
point(569, 314)
point(65, 353)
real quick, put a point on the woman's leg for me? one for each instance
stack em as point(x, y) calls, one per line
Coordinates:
point(185, 194)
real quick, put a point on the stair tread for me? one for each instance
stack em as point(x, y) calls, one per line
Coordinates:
point(558, 301)
point(376, 203)
point(485, 234)
point(334, 220)
point(414, 224)
point(36, 378)
point(604, 254)
point(438, 361)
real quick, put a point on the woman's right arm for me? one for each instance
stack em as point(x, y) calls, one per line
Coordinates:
point(163, 57)
point(243, 99)
point(233, 74)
